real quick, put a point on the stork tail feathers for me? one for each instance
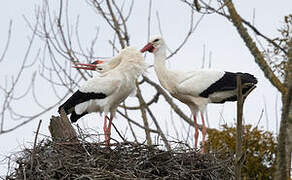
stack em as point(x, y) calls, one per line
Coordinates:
point(77, 98)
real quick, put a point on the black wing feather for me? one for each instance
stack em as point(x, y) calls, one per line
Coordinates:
point(228, 82)
point(74, 117)
point(79, 97)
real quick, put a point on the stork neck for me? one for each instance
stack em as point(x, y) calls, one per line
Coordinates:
point(163, 74)
point(159, 60)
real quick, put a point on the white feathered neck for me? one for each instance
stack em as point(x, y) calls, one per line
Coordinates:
point(166, 78)
point(130, 61)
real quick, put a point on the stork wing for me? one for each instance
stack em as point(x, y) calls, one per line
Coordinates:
point(95, 88)
point(195, 82)
point(105, 84)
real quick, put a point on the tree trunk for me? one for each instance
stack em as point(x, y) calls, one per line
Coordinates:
point(287, 108)
point(288, 150)
point(282, 158)
point(284, 139)
point(61, 128)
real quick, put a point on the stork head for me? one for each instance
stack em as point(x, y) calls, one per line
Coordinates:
point(154, 45)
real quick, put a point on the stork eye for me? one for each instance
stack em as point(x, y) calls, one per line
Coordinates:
point(156, 40)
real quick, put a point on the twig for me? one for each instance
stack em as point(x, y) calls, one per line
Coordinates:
point(130, 125)
point(135, 123)
point(119, 133)
point(153, 100)
point(192, 28)
point(24, 173)
point(116, 26)
point(253, 28)
point(82, 142)
point(164, 139)
point(34, 144)
point(7, 42)
point(149, 20)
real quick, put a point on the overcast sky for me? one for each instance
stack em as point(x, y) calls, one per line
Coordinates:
point(214, 32)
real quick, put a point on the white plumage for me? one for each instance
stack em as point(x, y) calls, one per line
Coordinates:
point(105, 66)
point(196, 88)
point(106, 91)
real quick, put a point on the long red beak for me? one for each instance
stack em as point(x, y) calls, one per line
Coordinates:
point(91, 66)
point(148, 47)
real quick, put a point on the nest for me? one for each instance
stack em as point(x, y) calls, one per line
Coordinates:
point(84, 160)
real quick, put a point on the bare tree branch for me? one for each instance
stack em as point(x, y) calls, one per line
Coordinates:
point(7, 42)
point(260, 60)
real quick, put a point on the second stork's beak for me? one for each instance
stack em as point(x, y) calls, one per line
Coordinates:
point(91, 66)
point(148, 47)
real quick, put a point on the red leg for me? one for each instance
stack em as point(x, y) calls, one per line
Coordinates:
point(105, 127)
point(203, 133)
point(196, 136)
point(108, 133)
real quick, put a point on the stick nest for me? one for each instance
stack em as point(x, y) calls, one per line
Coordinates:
point(83, 160)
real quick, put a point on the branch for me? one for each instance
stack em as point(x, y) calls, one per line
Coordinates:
point(116, 24)
point(137, 124)
point(29, 119)
point(192, 28)
point(159, 129)
point(213, 10)
point(130, 125)
point(143, 112)
point(153, 100)
point(259, 58)
point(262, 35)
point(7, 42)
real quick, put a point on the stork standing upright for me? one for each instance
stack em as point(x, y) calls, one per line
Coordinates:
point(199, 87)
point(105, 92)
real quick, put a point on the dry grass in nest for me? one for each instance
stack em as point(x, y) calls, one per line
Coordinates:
point(66, 160)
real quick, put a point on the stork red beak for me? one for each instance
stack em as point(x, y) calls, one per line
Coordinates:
point(91, 66)
point(148, 47)
point(97, 62)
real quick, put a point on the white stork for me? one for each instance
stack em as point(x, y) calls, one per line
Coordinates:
point(199, 87)
point(105, 92)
